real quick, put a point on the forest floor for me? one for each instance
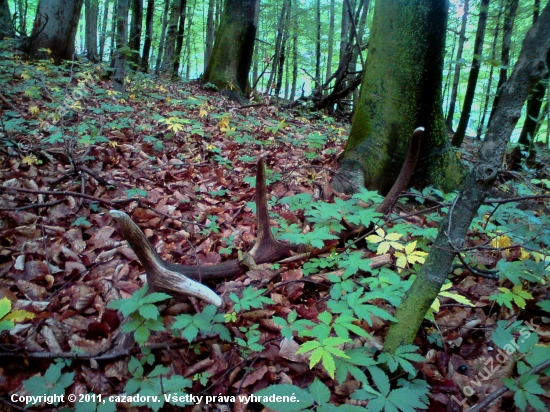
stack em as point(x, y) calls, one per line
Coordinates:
point(181, 162)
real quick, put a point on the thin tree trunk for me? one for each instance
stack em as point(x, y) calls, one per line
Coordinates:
point(113, 33)
point(344, 33)
point(103, 35)
point(449, 71)
point(149, 17)
point(456, 78)
point(474, 73)
point(490, 81)
point(162, 36)
point(210, 34)
point(22, 9)
point(282, 54)
point(135, 33)
point(330, 39)
point(179, 39)
point(171, 35)
point(278, 40)
point(91, 10)
point(122, 41)
point(507, 29)
point(318, 79)
point(294, 61)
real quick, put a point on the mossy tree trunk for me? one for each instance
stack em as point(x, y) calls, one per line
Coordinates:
point(530, 68)
point(231, 57)
point(6, 25)
point(60, 31)
point(121, 44)
point(407, 41)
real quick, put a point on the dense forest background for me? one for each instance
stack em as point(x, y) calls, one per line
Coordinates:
point(310, 40)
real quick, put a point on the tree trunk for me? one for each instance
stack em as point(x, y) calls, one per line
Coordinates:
point(456, 78)
point(171, 35)
point(209, 33)
point(458, 138)
point(6, 24)
point(529, 129)
point(134, 43)
point(103, 36)
point(318, 80)
point(330, 39)
point(278, 41)
point(294, 60)
point(179, 38)
point(23, 6)
point(60, 31)
point(149, 18)
point(529, 69)
point(344, 33)
point(407, 42)
point(231, 57)
point(507, 29)
point(490, 81)
point(532, 117)
point(121, 44)
point(162, 36)
point(91, 10)
point(113, 34)
point(282, 54)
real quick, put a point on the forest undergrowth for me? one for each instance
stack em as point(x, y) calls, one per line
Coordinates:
point(181, 162)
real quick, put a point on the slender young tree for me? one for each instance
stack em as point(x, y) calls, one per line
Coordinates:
point(162, 36)
point(456, 78)
point(209, 42)
point(134, 43)
point(179, 38)
point(407, 40)
point(91, 10)
point(123, 7)
point(294, 59)
point(171, 35)
point(282, 54)
point(22, 6)
point(507, 29)
point(103, 35)
point(330, 38)
point(6, 24)
point(149, 17)
point(318, 79)
point(231, 57)
point(278, 42)
point(458, 137)
point(59, 33)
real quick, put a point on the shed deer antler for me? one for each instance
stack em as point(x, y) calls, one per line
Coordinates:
point(176, 278)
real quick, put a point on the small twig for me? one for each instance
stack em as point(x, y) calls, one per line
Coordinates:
point(18, 209)
point(488, 274)
point(11, 106)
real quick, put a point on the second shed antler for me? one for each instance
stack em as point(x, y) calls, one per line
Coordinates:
point(178, 279)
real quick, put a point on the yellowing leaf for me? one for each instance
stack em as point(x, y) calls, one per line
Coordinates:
point(524, 254)
point(34, 110)
point(224, 123)
point(394, 236)
point(112, 143)
point(25, 75)
point(19, 315)
point(30, 160)
point(203, 112)
point(501, 241)
point(210, 147)
point(132, 96)
point(410, 247)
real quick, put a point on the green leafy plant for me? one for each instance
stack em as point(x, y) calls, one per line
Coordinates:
point(189, 326)
point(8, 317)
point(143, 315)
point(54, 382)
point(251, 299)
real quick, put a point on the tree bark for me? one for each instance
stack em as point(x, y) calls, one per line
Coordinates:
point(162, 37)
point(149, 18)
point(529, 69)
point(318, 80)
point(6, 24)
point(231, 57)
point(330, 39)
point(507, 29)
point(458, 138)
point(179, 38)
point(91, 10)
point(278, 41)
point(407, 40)
point(282, 54)
point(134, 43)
point(121, 44)
point(103, 36)
point(60, 31)
point(456, 78)
point(294, 60)
point(171, 35)
point(209, 33)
